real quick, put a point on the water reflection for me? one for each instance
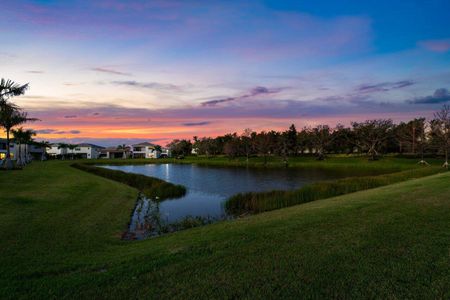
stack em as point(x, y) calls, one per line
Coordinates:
point(207, 190)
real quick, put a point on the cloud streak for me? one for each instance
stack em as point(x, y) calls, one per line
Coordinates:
point(196, 123)
point(54, 131)
point(110, 71)
point(439, 96)
point(384, 86)
point(256, 91)
point(148, 85)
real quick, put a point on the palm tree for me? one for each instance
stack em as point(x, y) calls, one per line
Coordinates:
point(10, 114)
point(27, 140)
point(63, 146)
point(44, 145)
point(23, 137)
point(10, 117)
point(18, 135)
point(72, 147)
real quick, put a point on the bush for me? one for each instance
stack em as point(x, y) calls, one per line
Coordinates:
point(149, 186)
point(266, 201)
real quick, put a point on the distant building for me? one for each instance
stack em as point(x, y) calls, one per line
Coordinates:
point(146, 150)
point(165, 153)
point(89, 151)
point(56, 151)
point(37, 152)
point(116, 152)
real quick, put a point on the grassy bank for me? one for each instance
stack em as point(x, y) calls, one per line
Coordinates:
point(359, 165)
point(151, 187)
point(60, 238)
point(265, 201)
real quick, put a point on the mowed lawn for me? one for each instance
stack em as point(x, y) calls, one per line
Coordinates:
point(60, 238)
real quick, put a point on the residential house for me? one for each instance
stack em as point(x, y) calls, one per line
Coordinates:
point(36, 152)
point(116, 152)
point(56, 151)
point(146, 150)
point(89, 151)
point(165, 153)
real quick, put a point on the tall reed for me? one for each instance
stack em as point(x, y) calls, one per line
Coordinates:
point(266, 201)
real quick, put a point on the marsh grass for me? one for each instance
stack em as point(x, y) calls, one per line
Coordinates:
point(265, 201)
point(151, 187)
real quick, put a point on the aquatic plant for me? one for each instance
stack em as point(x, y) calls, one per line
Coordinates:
point(265, 201)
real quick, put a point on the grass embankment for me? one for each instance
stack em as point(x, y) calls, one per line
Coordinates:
point(355, 165)
point(265, 201)
point(60, 238)
point(151, 187)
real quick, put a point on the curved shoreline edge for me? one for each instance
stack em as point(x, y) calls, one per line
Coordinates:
point(154, 188)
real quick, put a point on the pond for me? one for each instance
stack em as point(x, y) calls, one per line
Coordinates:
point(207, 190)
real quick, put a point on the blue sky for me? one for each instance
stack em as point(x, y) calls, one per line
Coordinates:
point(155, 70)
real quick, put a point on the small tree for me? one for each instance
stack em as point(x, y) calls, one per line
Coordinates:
point(247, 143)
point(180, 147)
point(291, 140)
point(263, 144)
point(440, 129)
point(321, 139)
point(370, 136)
point(408, 135)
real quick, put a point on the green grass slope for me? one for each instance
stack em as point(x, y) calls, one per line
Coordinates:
point(60, 228)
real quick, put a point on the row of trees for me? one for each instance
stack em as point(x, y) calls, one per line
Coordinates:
point(372, 137)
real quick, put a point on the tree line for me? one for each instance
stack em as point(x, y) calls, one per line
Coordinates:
point(417, 137)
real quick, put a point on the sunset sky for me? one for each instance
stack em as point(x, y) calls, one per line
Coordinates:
point(110, 71)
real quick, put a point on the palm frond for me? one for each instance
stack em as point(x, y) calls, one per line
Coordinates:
point(9, 88)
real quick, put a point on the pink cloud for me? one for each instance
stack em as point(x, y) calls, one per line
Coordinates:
point(436, 45)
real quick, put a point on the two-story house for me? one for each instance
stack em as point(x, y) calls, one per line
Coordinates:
point(89, 151)
point(145, 150)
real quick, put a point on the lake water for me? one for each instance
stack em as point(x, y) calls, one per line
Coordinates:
point(209, 187)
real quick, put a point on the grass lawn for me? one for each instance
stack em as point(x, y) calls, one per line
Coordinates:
point(60, 237)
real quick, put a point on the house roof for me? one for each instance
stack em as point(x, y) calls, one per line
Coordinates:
point(144, 144)
point(90, 145)
point(115, 150)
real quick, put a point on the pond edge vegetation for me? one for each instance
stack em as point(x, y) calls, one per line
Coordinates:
point(151, 187)
point(252, 203)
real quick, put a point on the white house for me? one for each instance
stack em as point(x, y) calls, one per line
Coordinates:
point(165, 153)
point(145, 150)
point(89, 151)
point(56, 151)
point(27, 152)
